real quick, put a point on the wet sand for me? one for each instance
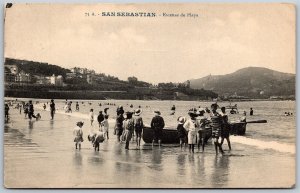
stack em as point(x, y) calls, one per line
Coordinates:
point(41, 154)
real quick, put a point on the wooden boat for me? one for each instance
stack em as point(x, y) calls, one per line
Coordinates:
point(169, 135)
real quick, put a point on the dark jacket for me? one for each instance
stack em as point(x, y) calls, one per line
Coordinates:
point(157, 123)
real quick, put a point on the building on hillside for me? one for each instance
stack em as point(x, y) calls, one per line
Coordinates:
point(42, 80)
point(56, 80)
point(23, 77)
point(89, 78)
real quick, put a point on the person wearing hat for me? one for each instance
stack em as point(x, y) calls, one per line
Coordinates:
point(138, 126)
point(182, 134)
point(217, 121)
point(128, 126)
point(225, 128)
point(191, 127)
point(157, 124)
point(78, 134)
point(201, 123)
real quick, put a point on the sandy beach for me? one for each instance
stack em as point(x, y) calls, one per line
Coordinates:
point(41, 154)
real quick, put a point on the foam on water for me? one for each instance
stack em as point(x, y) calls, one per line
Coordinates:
point(274, 145)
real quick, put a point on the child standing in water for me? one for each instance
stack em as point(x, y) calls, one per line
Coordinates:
point(78, 135)
point(182, 135)
point(91, 116)
point(191, 127)
point(105, 126)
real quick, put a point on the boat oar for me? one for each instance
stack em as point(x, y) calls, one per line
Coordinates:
point(258, 121)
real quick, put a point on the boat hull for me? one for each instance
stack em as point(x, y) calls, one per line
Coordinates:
point(170, 136)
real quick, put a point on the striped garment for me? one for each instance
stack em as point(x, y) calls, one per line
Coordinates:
point(216, 124)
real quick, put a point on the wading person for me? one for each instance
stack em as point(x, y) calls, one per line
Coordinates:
point(191, 127)
point(91, 116)
point(138, 126)
point(157, 124)
point(44, 106)
point(251, 111)
point(216, 119)
point(202, 122)
point(182, 134)
point(105, 126)
point(225, 128)
point(31, 110)
point(98, 138)
point(52, 108)
point(77, 106)
point(119, 126)
point(26, 107)
point(6, 111)
point(100, 118)
point(78, 135)
point(128, 126)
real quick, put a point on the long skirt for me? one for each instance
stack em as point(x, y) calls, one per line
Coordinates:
point(126, 136)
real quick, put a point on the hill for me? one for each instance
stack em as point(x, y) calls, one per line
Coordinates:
point(252, 82)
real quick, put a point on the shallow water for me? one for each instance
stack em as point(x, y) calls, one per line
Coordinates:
point(42, 154)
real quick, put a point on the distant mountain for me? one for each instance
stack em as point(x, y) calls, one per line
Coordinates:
point(253, 82)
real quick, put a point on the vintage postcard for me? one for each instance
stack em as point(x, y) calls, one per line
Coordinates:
point(156, 95)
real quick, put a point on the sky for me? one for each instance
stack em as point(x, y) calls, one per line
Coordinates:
point(222, 39)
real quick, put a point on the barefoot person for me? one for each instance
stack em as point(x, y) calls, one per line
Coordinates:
point(128, 126)
point(225, 128)
point(91, 116)
point(138, 126)
point(182, 134)
point(100, 118)
point(6, 112)
point(105, 126)
point(191, 127)
point(202, 122)
point(216, 119)
point(99, 138)
point(31, 110)
point(119, 126)
point(78, 135)
point(157, 124)
point(52, 108)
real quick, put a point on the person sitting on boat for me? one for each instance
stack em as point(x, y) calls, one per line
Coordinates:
point(216, 119)
point(191, 127)
point(157, 124)
point(138, 126)
point(182, 134)
point(201, 122)
point(225, 128)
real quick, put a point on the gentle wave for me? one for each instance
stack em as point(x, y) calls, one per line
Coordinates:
point(274, 145)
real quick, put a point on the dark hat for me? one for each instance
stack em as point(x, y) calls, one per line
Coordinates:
point(214, 105)
point(80, 123)
point(157, 112)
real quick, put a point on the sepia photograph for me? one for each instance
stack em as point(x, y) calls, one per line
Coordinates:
point(149, 95)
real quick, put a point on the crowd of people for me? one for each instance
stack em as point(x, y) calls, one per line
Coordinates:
point(129, 125)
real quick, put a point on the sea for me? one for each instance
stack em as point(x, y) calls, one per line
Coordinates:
point(41, 154)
